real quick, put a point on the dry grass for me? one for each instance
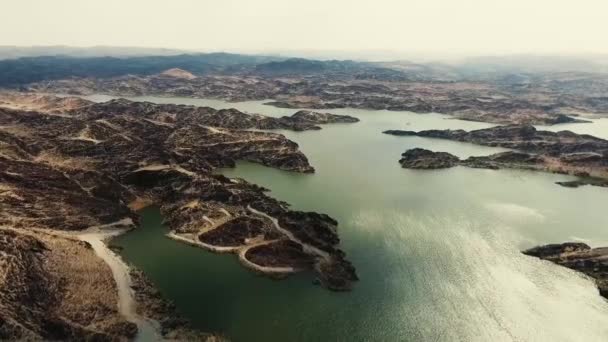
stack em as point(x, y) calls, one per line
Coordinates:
point(48, 104)
point(7, 191)
point(140, 203)
point(89, 293)
point(78, 288)
point(65, 163)
point(17, 130)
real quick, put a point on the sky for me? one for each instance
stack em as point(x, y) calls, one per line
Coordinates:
point(431, 27)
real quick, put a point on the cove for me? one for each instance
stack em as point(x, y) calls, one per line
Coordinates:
point(437, 251)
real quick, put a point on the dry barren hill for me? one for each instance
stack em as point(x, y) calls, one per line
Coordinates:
point(68, 167)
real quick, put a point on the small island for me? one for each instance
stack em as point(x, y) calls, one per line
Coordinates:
point(563, 152)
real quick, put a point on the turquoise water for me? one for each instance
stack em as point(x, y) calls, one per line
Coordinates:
point(437, 251)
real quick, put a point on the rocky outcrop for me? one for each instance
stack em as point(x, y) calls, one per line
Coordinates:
point(563, 152)
point(509, 159)
point(419, 158)
point(81, 168)
point(585, 181)
point(578, 256)
point(178, 73)
point(520, 137)
point(224, 215)
point(307, 116)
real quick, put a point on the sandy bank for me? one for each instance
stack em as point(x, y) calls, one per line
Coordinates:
point(148, 330)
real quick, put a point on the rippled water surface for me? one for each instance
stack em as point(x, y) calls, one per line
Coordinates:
point(437, 251)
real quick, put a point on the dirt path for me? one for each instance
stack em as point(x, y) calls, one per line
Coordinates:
point(215, 224)
point(195, 242)
point(148, 330)
point(241, 251)
point(264, 269)
point(308, 248)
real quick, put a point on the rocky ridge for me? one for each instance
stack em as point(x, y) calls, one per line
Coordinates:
point(227, 118)
point(419, 158)
point(561, 152)
point(477, 101)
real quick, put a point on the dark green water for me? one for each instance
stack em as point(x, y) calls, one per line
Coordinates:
point(437, 251)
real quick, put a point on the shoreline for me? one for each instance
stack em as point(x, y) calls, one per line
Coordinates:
point(206, 246)
point(290, 102)
point(192, 239)
point(240, 251)
point(310, 249)
point(577, 118)
point(270, 271)
point(147, 329)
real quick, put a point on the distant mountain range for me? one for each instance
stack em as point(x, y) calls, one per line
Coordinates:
point(20, 66)
point(20, 71)
point(34, 69)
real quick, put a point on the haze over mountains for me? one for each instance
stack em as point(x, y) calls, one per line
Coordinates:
point(20, 65)
point(211, 170)
point(11, 52)
point(79, 169)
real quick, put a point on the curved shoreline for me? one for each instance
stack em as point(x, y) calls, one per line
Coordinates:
point(308, 248)
point(259, 268)
point(242, 250)
point(147, 329)
point(211, 248)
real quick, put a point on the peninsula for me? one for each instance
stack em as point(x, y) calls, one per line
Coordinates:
point(74, 172)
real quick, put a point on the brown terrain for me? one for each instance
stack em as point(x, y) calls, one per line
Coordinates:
point(544, 99)
point(56, 288)
point(562, 152)
point(69, 169)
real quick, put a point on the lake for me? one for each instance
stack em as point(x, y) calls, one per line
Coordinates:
point(438, 252)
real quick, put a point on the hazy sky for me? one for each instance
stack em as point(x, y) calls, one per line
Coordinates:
point(454, 27)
